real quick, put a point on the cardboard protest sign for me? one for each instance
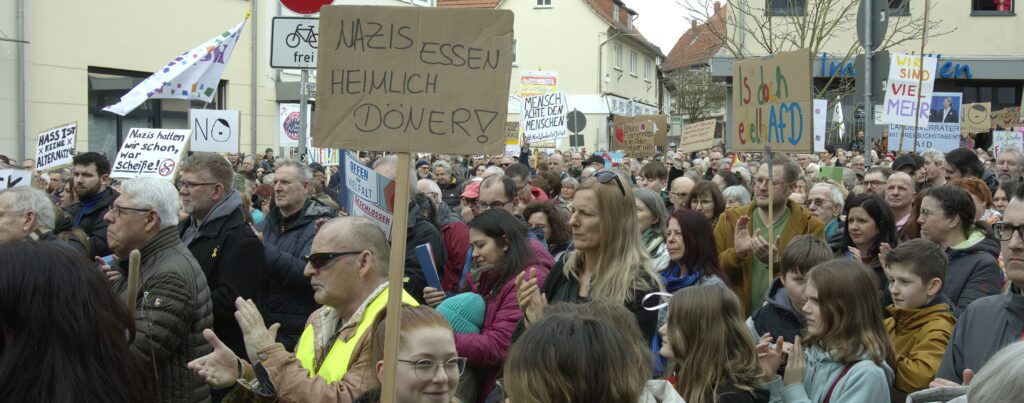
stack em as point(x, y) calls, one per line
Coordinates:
point(1002, 140)
point(902, 91)
point(543, 117)
point(661, 127)
point(12, 178)
point(698, 136)
point(820, 114)
point(976, 117)
point(150, 153)
point(638, 139)
point(55, 147)
point(512, 147)
point(772, 103)
point(942, 132)
point(411, 79)
point(532, 82)
point(1006, 118)
point(214, 130)
point(367, 193)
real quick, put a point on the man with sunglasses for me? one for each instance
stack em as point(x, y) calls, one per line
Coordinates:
point(221, 240)
point(348, 269)
point(990, 323)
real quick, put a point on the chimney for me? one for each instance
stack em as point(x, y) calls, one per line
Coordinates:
point(693, 23)
point(718, 5)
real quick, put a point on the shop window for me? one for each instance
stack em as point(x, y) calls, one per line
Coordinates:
point(107, 130)
point(992, 7)
point(899, 8)
point(786, 7)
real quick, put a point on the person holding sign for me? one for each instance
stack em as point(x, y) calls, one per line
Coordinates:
point(740, 232)
point(92, 198)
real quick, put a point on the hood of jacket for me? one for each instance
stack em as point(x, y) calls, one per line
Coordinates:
point(778, 298)
point(310, 212)
point(913, 319)
point(976, 242)
point(660, 391)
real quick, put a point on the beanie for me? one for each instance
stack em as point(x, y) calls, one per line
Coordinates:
point(465, 312)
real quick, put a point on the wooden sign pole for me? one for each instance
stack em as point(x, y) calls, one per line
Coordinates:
point(771, 212)
point(395, 273)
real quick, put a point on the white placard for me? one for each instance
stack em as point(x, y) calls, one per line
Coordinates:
point(150, 153)
point(12, 178)
point(902, 90)
point(364, 193)
point(288, 125)
point(214, 130)
point(293, 43)
point(942, 131)
point(820, 112)
point(55, 147)
point(543, 117)
point(1007, 139)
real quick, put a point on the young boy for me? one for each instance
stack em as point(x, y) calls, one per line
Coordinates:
point(781, 314)
point(921, 321)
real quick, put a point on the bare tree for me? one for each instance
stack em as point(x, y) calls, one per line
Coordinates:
point(699, 97)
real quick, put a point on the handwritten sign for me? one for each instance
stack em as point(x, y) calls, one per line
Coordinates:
point(639, 139)
point(543, 117)
point(820, 114)
point(512, 146)
point(940, 134)
point(661, 128)
point(150, 153)
point(976, 117)
point(1006, 118)
point(698, 136)
point(366, 193)
point(1002, 140)
point(902, 91)
point(532, 82)
point(214, 130)
point(772, 103)
point(413, 79)
point(12, 178)
point(55, 147)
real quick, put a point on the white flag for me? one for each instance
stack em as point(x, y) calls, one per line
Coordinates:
point(193, 75)
point(838, 118)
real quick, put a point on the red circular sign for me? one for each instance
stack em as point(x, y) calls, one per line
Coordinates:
point(306, 6)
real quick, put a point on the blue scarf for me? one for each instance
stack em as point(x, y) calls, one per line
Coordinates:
point(675, 280)
point(88, 204)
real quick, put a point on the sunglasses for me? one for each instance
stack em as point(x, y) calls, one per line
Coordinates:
point(318, 260)
point(603, 177)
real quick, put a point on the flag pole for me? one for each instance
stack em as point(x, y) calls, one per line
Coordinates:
point(920, 78)
point(396, 271)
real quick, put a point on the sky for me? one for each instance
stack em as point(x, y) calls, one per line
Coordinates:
point(661, 21)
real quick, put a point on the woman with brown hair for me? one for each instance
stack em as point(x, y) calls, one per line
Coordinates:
point(546, 216)
point(706, 198)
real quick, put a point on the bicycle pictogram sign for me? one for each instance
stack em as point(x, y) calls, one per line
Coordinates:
point(300, 35)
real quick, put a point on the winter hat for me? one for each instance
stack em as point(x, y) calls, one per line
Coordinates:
point(421, 163)
point(465, 312)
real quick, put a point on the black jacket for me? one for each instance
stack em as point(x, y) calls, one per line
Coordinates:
point(419, 232)
point(92, 221)
point(986, 326)
point(778, 316)
point(452, 194)
point(288, 295)
point(231, 257)
point(973, 271)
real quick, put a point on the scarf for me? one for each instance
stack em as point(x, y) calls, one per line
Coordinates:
point(651, 241)
point(675, 280)
point(88, 204)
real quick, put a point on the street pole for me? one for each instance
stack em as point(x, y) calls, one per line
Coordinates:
point(303, 116)
point(920, 72)
point(869, 114)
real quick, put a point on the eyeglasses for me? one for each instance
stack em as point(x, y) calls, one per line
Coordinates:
point(1004, 231)
point(183, 185)
point(318, 260)
point(427, 369)
point(120, 210)
point(681, 195)
point(604, 176)
point(484, 206)
point(874, 183)
point(819, 202)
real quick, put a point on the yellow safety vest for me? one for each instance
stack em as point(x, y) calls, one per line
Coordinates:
point(336, 363)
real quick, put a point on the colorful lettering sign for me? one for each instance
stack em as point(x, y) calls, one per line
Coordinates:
point(772, 103)
point(911, 79)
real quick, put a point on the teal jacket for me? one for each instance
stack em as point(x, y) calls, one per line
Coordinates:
point(864, 382)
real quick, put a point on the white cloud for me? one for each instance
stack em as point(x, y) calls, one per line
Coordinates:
point(661, 21)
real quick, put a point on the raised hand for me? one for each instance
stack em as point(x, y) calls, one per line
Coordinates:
point(255, 334)
point(219, 369)
point(743, 242)
point(769, 355)
point(531, 300)
point(796, 365)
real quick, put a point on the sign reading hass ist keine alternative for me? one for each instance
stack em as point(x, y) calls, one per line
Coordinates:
point(56, 147)
point(772, 103)
point(151, 153)
point(413, 79)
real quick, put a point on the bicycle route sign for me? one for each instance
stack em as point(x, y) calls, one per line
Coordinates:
point(294, 41)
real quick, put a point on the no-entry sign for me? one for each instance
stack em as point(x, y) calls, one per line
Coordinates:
point(306, 6)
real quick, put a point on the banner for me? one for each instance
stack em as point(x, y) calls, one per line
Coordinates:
point(639, 139)
point(533, 82)
point(193, 75)
point(661, 127)
point(820, 112)
point(942, 132)
point(772, 103)
point(367, 193)
point(288, 124)
point(150, 153)
point(1006, 118)
point(698, 136)
point(512, 147)
point(214, 130)
point(1002, 140)
point(12, 178)
point(543, 117)
point(55, 147)
point(976, 118)
point(431, 79)
point(902, 91)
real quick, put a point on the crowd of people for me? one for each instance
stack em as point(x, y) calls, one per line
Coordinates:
point(562, 277)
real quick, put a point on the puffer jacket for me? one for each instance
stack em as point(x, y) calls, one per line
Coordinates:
point(973, 270)
point(864, 382)
point(920, 336)
point(487, 350)
point(288, 297)
point(171, 311)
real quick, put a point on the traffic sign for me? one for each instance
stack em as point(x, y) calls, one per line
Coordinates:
point(878, 18)
point(293, 42)
point(306, 6)
point(576, 121)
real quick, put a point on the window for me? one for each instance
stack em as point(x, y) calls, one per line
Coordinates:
point(107, 130)
point(514, 61)
point(615, 12)
point(899, 8)
point(786, 7)
point(543, 3)
point(618, 57)
point(648, 67)
point(991, 7)
point(632, 62)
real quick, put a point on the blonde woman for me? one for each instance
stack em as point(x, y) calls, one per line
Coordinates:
point(609, 263)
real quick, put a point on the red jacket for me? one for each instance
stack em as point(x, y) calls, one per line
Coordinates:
point(486, 351)
point(456, 243)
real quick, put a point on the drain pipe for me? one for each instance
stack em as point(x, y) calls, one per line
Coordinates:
point(255, 69)
point(22, 95)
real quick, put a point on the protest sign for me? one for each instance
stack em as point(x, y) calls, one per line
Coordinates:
point(12, 178)
point(288, 124)
point(942, 132)
point(834, 173)
point(698, 136)
point(661, 127)
point(411, 79)
point(910, 77)
point(772, 103)
point(512, 147)
point(638, 139)
point(150, 153)
point(214, 130)
point(367, 193)
point(976, 117)
point(820, 114)
point(543, 117)
point(55, 147)
point(532, 82)
point(1006, 118)
point(612, 158)
point(1002, 140)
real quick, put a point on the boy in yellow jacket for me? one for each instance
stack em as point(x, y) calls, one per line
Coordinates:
point(921, 322)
